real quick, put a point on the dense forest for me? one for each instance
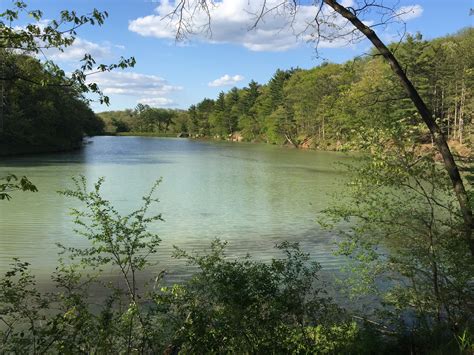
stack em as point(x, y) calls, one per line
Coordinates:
point(41, 112)
point(145, 119)
point(324, 107)
point(319, 108)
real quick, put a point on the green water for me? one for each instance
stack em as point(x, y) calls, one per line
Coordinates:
point(252, 195)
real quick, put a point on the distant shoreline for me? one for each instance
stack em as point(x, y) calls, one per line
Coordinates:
point(21, 150)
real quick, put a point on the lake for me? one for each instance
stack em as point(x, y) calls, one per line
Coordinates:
point(252, 195)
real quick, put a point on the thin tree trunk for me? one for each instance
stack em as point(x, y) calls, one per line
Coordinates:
point(2, 94)
point(439, 302)
point(324, 133)
point(442, 110)
point(461, 113)
point(455, 112)
point(425, 114)
point(449, 121)
point(291, 141)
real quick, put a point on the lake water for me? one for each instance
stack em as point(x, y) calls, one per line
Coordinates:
point(252, 195)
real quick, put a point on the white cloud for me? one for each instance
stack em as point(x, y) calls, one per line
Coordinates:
point(406, 13)
point(226, 80)
point(134, 84)
point(76, 51)
point(150, 89)
point(156, 101)
point(231, 21)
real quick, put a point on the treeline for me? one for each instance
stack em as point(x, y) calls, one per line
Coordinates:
point(324, 107)
point(38, 111)
point(146, 119)
point(326, 104)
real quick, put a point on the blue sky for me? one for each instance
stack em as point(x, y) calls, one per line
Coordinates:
point(176, 75)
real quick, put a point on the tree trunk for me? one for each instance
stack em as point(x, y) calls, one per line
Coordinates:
point(449, 121)
point(455, 127)
point(2, 94)
point(442, 112)
point(324, 133)
point(291, 141)
point(461, 113)
point(425, 114)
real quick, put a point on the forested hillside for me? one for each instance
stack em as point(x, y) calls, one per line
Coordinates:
point(323, 107)
point(326, 104)
point(40, 112)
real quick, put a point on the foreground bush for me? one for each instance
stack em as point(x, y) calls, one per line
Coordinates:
point(228, 306)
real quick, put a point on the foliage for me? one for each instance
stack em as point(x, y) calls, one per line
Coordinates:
point(405, 234)
point(250, 307)
point(42, 108)
point(22, 309)
point(13, 183)
point(328, 105)
point(238, 305)
point(38, 117)
point(146, 119)
point(247, 306)
point(59, 34)
point(120, 126)
point(120, 241)
point(406, 238)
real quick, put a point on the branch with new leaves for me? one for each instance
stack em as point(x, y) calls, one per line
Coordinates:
point(58, 34)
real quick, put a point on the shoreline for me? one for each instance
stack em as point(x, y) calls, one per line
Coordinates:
point(331, 147)
point(22, 150)
point(460, 150)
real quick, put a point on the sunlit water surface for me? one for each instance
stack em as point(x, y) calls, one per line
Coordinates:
point(252, 195)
